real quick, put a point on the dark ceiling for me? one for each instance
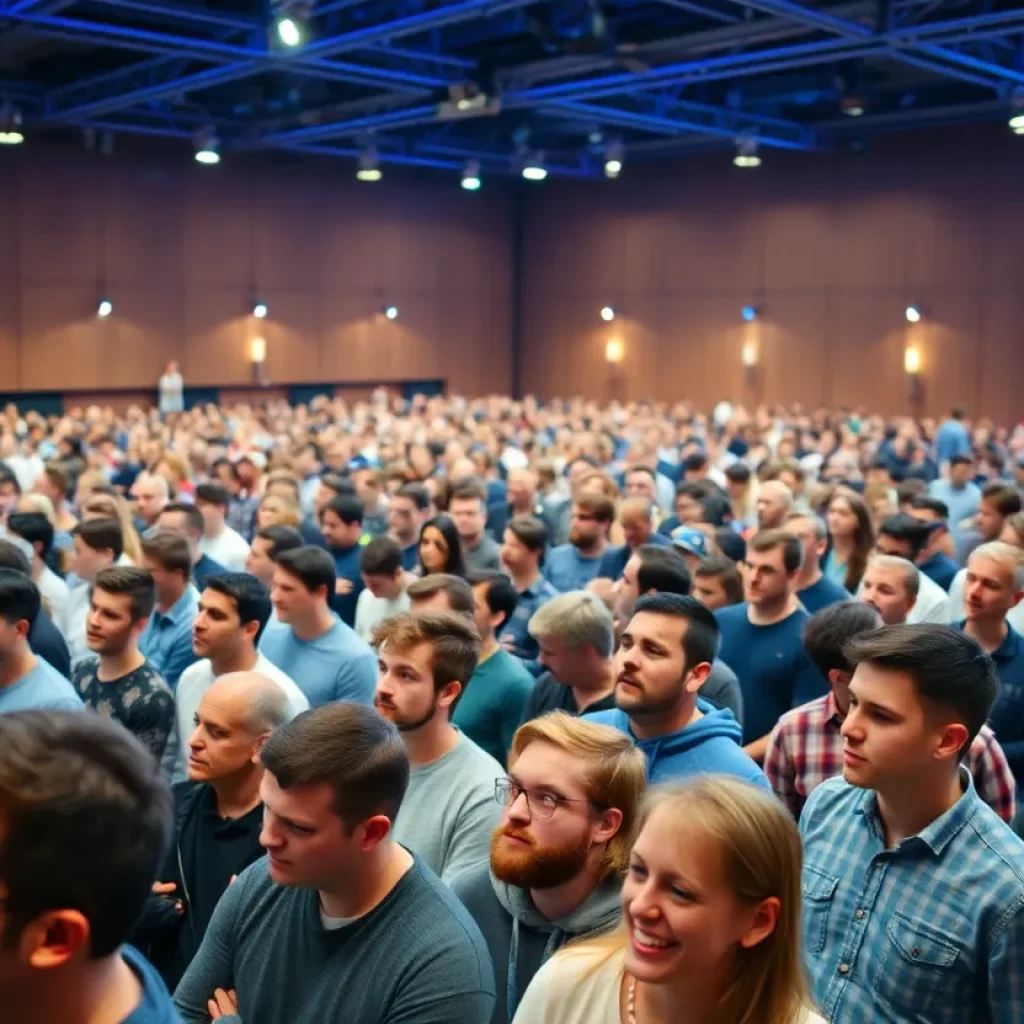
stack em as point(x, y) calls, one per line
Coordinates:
point(566, 81)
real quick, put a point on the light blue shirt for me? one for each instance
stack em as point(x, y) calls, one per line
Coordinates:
point(167, 638)
point(516, 630)
point(951, 439)
point(962, 502)
point(931, 930)
point(337, 665)
point(41, 687)
point(566, 569)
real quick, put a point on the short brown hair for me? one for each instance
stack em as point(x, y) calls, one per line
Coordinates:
point(170, 550)
point(453, 640)
point(133, 581)
point(530, 532)
point(460, 594)
point(1005, 497)
point(596, 505)
point(769, 540)
point(616, 772)
point(468, 488)
point(58, 475)
point(357, 752)
point(723, 568)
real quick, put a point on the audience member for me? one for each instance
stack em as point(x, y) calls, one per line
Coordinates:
point(958, 492)
point(341, 522)
point(663, 659)
point(188, 521)
point(448, 812)
point(999, 501)
point(806, 747)
point(408, 509)
point(760, 639)
point(905, 536)
point(573, 565)
point(167, 639)
point(301, 936)
point(385, 585)
point(369, 484)
point(37, 532)
point(267, 544)
point(852, 537)
point(575, 634)
point(97, 546)
point(522, 554)
point(933, 560)
point(468, 509)
point(84, 821)
point(774, 503)
point(557, 860)
point(636, 517)
point(307, 641)
point(227, 547)
point(717, 583)
point(951, 897)
point(726, 947)
point(119, 681)
point(151, 494)
point(890, 586)
point(814, 589)
point(494, 699)
point(440, 548)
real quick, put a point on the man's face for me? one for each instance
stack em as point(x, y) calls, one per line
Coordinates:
point(292, 601)
point(804, 530)
point(650, 666)
point(484, 618)
point(637, 529)
point(217, 629)
point(710, 591)
point(213, 517)
point(888, 736)
point(306, 842)
point(584, 529)
point(886, 545)
point(108, 626)
point(567, 664)
point(521, 491)
point(532, 851)
point(12, 634)
point(404, 519)
point(988, 590)
point(689, 511)
point(641, 485)
point(337, 532)
point(960, 476)
point(166, 583)
point(515, 555)
point(386, 588)
point(770, 509)
point(990, 520)
point(884, 588)
point(86, 562)
point(149, 499)
point(405, 687)
point(258, 562)
point(367, 489)
point(222, 742)
point(178, 522)
point(627, 589)
point(469, 517)
point(764, 579)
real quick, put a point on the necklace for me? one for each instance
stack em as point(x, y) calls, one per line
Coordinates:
point(631, 1002)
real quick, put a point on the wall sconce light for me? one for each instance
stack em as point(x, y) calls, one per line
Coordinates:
point(749, 354)
point(258, 350)
point(912, 360)
point(614, 351)
point(912, 368)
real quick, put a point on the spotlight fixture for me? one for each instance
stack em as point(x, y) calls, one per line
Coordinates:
point(369, 168)
point(852, 106)
point(288, 31)
point(1016, 121)
point(260, 311)
point(749, 314)
point(207, 146)
point(607, 314)
point(104, 309)
point(10, 126)
point(291, 22)
point(534, 169)
point(391, 312)
point(613, 157)
point(1017, 124)
point(746, 152)
point(471, 175)
point(913, 314)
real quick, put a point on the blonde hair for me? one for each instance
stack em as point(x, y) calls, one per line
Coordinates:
point(578, 618)
point(761, 858)
point(40, 503)
point(615, 771)
point(1005, 555)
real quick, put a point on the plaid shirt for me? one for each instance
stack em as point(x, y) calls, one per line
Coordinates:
point(930, 931)
point(806, 748)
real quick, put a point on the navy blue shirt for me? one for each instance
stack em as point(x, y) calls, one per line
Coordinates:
point(204, 569)
point(155, 1007)
point(940, 568)
point(775, 673)
point(1007, 718)
point(411, 556)
point(346, 565)
point(821, 594)
point(613, 561)
point(516, 630)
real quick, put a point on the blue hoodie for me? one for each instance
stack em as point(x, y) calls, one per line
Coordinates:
point(710, 745)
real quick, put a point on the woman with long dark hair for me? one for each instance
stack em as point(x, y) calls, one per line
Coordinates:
point(440, 548)
point(852, 539)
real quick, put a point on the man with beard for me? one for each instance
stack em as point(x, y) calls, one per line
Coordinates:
point(558, 858)
point(120, 682)
point(663, 660)
point(449, 810)
point(572, 566)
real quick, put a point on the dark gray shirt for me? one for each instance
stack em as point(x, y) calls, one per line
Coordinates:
point(416, 958)
point(722, 688)
point(486, 555)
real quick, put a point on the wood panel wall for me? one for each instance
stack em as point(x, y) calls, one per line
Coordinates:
point(831, 248)
point(182, 251)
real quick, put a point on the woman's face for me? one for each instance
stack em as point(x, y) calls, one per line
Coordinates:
point(842, 521)
point(433, 550)
point(272, 512)
point(680, 916)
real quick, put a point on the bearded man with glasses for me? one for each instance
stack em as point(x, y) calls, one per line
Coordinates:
point(557, 859)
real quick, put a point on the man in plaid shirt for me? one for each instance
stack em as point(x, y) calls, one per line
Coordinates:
point(913, 889)
point(806, 747)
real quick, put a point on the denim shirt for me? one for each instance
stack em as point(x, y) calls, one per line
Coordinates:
point(930, 931)
point(516, 630)
point(167, 639)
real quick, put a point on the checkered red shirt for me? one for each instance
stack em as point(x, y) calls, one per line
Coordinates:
point(806, 748)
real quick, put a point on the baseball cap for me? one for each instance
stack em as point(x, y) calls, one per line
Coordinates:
point(691, 540)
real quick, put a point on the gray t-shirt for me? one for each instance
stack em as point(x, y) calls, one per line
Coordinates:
point(722, 688)
point(486, 555)
point(449, 812)
point(416, 958)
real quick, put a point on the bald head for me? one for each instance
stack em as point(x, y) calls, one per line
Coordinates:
point(774, 503)
point(637, 518)
point(250, 699)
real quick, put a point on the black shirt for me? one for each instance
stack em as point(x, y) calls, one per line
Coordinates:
point(549, 695)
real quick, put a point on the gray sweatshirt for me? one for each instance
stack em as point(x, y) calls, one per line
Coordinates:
point(519, 938)
point(416, 958)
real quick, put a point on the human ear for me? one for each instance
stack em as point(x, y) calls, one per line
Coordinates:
point(762, 923)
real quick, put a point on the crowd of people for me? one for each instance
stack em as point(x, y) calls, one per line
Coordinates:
point(438, 711)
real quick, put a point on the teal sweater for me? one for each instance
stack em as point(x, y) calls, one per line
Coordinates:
point(416, 958)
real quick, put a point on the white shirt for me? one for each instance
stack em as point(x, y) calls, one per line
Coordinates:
point(198, 678)
point(228, 548)
point(932, 604)
point(371, 610)
point(958, 608)
point(54, 592)
point(72, 623)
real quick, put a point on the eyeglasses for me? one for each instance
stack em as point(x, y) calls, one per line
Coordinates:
point(541, 804)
